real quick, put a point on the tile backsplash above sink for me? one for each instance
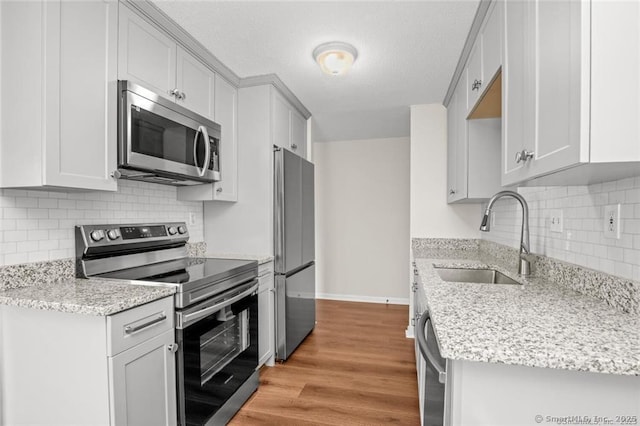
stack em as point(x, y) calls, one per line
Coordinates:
point(37, 226)
point(582, 240)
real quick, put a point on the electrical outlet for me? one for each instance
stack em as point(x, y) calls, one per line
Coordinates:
point(611, 221)
point(555, 221)
point(192, 219)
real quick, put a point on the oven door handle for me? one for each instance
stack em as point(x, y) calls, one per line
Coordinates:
point(185, 320)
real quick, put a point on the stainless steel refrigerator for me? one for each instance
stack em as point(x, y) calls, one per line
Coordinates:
point(294, 249)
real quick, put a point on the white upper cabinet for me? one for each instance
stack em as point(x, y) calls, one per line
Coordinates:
point(473, 145)
point(289, 127)
point(58, 85)
point(566, 101)
point(197, 83)
point(474, 75)
point(492, 43)
point(298, 134)
point(226, 113)
point(146, 54)
point(473, 152)
point(457, 144)
point(485, 58)
point(153, 59)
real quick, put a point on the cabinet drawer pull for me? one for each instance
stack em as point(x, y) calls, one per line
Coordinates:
point(130, 330)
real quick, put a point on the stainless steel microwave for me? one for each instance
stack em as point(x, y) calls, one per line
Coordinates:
point(160, 141)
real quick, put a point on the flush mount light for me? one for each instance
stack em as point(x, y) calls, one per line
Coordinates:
point(335, 58)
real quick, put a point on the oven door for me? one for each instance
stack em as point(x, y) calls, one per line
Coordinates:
point(157, 137)
point(218, 352)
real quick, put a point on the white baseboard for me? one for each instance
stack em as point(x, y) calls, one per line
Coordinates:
point(408, 333)
point(365, 299)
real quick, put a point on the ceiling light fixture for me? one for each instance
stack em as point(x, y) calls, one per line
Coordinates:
point(336, 57)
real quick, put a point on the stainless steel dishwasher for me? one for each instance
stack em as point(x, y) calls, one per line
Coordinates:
point(434, 376)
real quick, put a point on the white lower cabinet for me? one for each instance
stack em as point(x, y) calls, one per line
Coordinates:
point(76, 369)
point(266, 315)
point(483, 393)
point(142, 377)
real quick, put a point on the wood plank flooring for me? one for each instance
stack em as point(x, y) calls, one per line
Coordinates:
point(356, 368)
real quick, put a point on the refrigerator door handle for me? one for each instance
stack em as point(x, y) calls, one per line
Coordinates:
point(278, 217)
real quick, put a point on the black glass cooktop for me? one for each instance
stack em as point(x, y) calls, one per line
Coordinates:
point(186, 271)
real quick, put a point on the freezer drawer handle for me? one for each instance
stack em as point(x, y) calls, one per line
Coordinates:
point(130, 330)
point(424, 349)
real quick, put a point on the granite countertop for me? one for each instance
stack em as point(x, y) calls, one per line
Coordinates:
point(261, 258)
point(84, 296)
point(537, 324)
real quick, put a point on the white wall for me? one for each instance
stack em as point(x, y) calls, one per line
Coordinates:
point(39, 225)
point(582, 239)
point(362, 219)
point(431, 216)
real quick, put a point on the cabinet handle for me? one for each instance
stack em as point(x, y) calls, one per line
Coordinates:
point(476, 85)
point(452, 191)
point(524, 156)
point(294, 146)
point(181, 96)
point(175, 92)
point(173, 348)
point(129, 329)
point(219, 189)
point(116, 174)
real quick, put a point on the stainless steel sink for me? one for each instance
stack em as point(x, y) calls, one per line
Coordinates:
point(488, 276)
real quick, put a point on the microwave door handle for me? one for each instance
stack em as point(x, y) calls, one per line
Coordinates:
point(205, 134)
point(207, 150)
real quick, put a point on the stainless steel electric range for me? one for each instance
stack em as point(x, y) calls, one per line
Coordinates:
point(216, 310)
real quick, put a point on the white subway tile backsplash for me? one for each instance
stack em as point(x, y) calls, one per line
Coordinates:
point(582, 241)
point(39, 225)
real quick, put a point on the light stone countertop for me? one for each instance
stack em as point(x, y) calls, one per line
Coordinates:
point(84, 296)
point(537, 324)
point(261, 258)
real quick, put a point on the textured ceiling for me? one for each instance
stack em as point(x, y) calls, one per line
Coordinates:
point(407, 52)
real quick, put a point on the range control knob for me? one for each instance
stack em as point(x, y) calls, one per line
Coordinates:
point(172, 230)
point(113, 234)
point(182, 229)
point(97, 235)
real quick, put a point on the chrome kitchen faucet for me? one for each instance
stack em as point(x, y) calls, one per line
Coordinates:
point(524, 266)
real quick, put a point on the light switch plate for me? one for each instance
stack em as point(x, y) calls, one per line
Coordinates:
point(192, 219)
point(555, 221)
point(611, 221)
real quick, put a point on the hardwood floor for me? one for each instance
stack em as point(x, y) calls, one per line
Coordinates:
point(355, 368)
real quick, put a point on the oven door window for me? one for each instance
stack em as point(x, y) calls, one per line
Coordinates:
point(220, 353)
